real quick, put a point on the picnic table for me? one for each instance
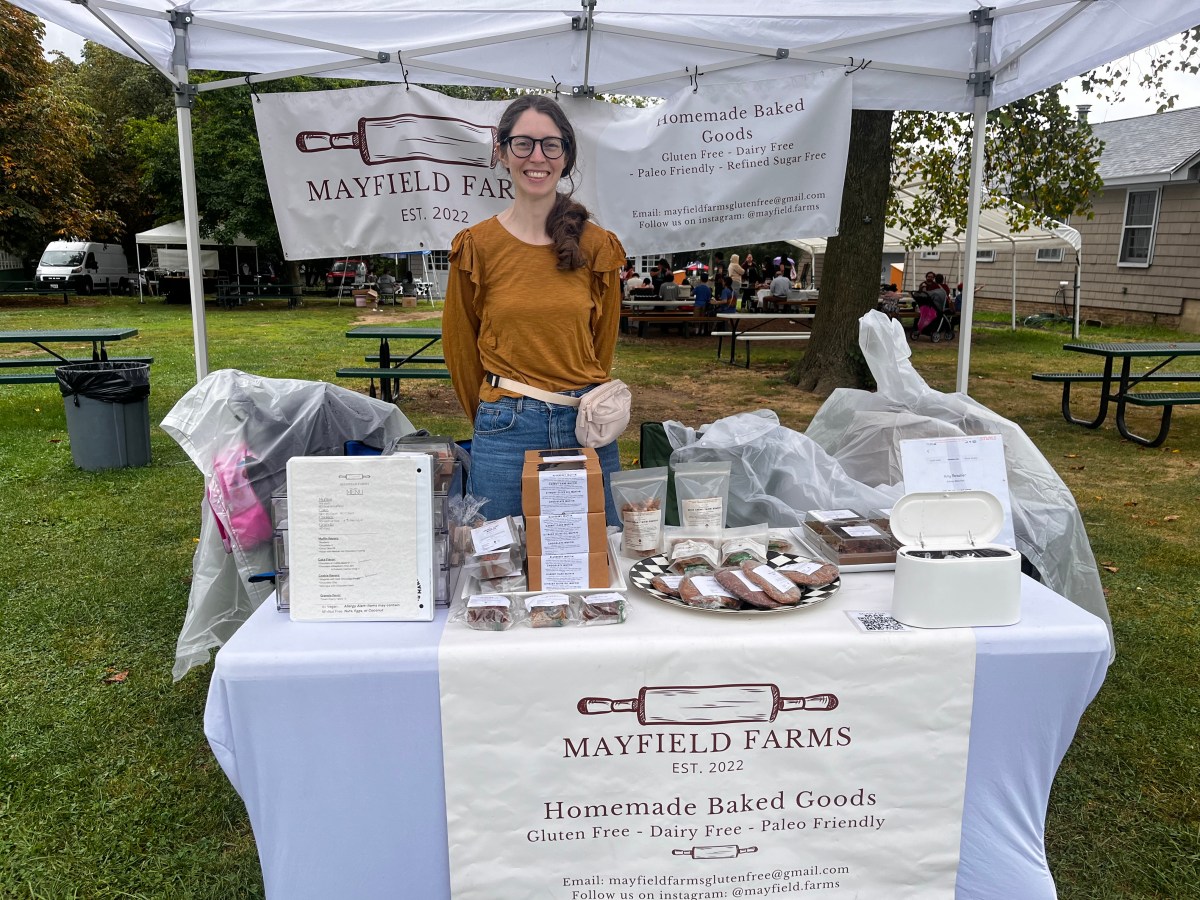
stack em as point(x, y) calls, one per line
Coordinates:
point(40, 337)
point(749, 327)
point(402, 365)
point(1123, 388)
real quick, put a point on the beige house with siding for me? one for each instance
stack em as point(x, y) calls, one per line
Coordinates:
point(1141, 249)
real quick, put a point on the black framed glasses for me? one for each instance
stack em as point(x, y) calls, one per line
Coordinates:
point(522, 146)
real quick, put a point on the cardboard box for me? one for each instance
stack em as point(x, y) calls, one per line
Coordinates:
point(566, 573)
point(365, 297)
point(562, 488)
point(408, 302)
point(550, 535)
point(536, 456)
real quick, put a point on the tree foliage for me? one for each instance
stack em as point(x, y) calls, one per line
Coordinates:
point(1036, 153)
point(46, 140)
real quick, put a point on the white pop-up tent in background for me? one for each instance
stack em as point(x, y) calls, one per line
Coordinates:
point(986, 56)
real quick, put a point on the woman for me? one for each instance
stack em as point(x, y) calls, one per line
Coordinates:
point(750, 280)
point(558, 337)
point(735, 275)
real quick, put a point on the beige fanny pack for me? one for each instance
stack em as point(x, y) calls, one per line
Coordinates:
point(603, 412)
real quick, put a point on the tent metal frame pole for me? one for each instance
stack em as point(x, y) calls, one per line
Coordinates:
point(185, 96)
point(981, 80)
point(1074, 325)
point(1014, 283)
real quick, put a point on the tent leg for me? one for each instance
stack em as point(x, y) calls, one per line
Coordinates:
point(983, 90)
point(185, 95)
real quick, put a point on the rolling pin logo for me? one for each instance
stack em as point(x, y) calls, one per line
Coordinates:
point(411, 137)
point(709, 704)
point(716, 851)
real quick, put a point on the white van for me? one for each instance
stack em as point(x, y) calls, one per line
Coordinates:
point(84, 266)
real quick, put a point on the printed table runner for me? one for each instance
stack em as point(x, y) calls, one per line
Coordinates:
point(686, 754)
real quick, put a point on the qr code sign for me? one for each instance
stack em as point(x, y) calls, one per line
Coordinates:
point(875, 621)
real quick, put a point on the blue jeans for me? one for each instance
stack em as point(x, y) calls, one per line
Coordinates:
point(505, 429)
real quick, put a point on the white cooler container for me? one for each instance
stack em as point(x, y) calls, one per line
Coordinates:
point(954, 592)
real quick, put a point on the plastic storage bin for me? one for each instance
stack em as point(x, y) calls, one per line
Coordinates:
point(108, 413)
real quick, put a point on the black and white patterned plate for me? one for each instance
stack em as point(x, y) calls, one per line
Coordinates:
point(644, 571)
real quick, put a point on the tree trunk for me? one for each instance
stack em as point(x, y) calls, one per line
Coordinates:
point(850, 277)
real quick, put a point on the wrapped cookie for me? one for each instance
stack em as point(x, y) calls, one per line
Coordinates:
point(601, 609)
point(690, 556)
point(547, 610)
point(489, 612)
point(739, 584)
point(667, 584)
point(704, 592)
point(504, 584)
point(746, 544)
point(774, 585)
point(809, 573)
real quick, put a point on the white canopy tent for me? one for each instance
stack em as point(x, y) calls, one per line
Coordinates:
point(986, 56)
point(174, 234)
point(993, 230)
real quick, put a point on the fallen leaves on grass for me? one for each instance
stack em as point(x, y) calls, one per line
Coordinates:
point(1110, 568)
point(1071, 456)
point(1170, 518)
point(115, 677)
point(1131, 503)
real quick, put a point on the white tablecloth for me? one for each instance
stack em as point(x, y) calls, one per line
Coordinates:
point(331, 733)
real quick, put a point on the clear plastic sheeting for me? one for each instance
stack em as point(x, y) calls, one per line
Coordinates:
point(240, 430)
point(777, 474)
point(862, 431)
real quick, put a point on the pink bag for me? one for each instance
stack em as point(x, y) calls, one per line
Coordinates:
point(234, 503)
point(928, 314)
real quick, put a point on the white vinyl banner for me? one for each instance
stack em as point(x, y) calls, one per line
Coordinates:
point(375, 169)
point(698, 755)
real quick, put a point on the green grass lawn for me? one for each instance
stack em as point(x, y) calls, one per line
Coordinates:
point(108, 788)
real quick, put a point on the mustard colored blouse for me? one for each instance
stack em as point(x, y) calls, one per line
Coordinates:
point(509, 311)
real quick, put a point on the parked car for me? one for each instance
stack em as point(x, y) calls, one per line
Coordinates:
point(343, 274)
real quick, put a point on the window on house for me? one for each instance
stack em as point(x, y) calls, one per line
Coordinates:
point(1050, 254)
point(930, 254)
point(1137, 235)
point(439, 260)
point(985, 256)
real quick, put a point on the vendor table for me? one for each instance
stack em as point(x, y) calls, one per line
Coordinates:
point(387, 333)
point(1122, 389)
point(331, 733)
point(98, 337)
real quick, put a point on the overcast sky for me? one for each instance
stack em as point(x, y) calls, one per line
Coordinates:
point(1188, 86)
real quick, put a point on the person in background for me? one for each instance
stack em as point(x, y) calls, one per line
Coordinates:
point(750, 280)
point(559, 338)
point(702, 293)
point(407, 286)
point(646, 289)
point(725, 302)
point(781, 284)
point(929, 283)
point(736, 273)
point(668, 290)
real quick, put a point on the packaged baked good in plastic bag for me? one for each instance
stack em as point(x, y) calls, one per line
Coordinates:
point(702, 494)
point(691, 556)
point(487, 612)
point(734, 580)
point(504, 584)
point(776, 586)
point(495, 551)
point(739, 545)
point(600, 609)
point(547, 610)
point(809, 572)
point(640, 496)
point(704, 592)
point(464, 513)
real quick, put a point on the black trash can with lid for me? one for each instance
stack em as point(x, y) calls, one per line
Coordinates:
point(108, 413)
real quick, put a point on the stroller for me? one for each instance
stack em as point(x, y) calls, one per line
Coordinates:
point(933, 318)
